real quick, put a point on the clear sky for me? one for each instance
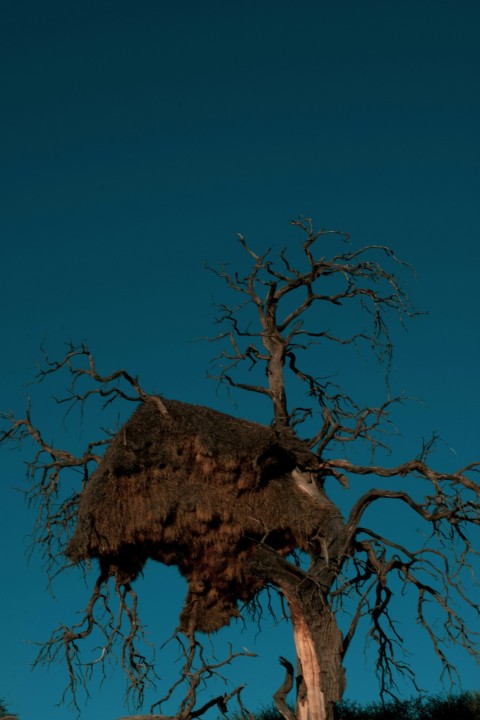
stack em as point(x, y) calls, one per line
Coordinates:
point(136, 139)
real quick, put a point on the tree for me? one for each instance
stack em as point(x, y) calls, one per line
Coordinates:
point(239, 506)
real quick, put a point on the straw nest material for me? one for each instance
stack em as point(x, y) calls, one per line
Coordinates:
point(198, 489)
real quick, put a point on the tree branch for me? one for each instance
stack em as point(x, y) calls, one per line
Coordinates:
point(279, 697)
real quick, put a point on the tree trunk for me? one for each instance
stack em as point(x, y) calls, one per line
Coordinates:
point(318, 641)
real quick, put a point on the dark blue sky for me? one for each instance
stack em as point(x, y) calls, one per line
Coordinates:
point(136, 139)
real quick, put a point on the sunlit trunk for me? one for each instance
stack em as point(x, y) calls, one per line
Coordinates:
point(318, 641)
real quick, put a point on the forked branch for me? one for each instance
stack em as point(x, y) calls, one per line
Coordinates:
point(280, 300)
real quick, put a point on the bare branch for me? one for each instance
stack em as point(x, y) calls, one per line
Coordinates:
point(298, 289)
point(98, 618)
point(280, 696)
point(194, 674)
point(45, 471)
point(107, 386)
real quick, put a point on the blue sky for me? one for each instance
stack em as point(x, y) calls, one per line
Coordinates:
point(136, 140)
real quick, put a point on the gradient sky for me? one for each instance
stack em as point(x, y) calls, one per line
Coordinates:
point(136, 140)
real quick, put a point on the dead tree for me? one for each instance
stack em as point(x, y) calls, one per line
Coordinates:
point(228, 500)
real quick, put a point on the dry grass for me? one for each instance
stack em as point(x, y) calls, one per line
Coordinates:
point(198, 489)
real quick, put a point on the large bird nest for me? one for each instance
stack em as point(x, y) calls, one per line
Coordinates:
point(198, 489)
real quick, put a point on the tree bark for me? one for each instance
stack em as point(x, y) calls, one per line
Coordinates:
point(318, 641)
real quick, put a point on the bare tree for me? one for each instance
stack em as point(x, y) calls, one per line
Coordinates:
point(228, 501)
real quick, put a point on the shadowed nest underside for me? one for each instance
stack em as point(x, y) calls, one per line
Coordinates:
point(198, 489)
